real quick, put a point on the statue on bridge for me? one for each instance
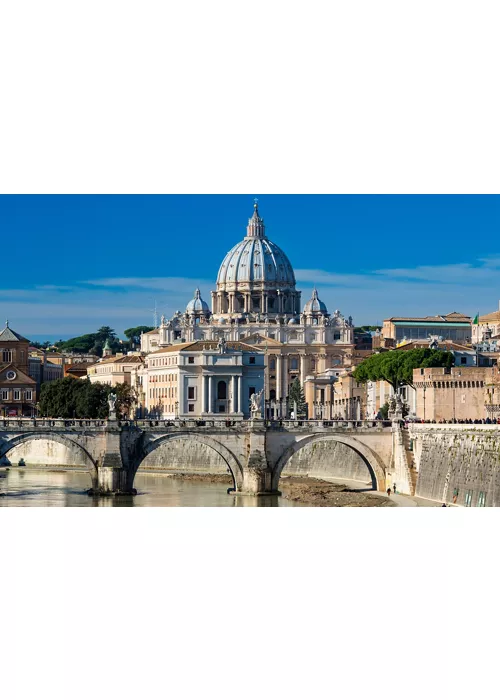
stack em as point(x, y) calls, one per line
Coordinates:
point(255, 402)
point(112, 405)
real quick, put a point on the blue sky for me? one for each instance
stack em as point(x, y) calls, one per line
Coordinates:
point(74, 263)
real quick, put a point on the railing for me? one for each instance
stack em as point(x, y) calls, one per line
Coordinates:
point(335, 424)
point(193, 423)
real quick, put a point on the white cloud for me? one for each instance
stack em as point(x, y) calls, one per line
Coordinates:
point(127, 301)
point(162, 283)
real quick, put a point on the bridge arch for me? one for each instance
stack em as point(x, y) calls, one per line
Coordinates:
point(8, 444)
point(373, 462)
point(229, 458)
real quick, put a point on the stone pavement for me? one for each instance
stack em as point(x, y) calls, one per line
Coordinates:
point(399, 499)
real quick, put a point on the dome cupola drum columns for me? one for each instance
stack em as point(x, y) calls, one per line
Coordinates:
point(256, 277)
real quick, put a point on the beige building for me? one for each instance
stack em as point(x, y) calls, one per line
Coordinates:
point(115, 369)
point(487, 327)
point(202, 380)
point(459, 393)
point(454, 326)
point(256, 302)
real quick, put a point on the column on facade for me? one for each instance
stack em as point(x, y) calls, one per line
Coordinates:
point(210, 395)
point(181, 395)
point(233, 395)
point(285, 377)
point(203, 393)
point(238, 395)
point(278, 377)
point(302, 372)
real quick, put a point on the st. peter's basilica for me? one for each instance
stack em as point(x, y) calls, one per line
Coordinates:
point(256, 302)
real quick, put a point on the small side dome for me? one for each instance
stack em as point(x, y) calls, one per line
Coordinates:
point(315, 305)
point(197, 305)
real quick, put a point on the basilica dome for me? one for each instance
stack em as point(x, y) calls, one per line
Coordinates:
point(315, 305)
point(197, 305)
point(256, 259)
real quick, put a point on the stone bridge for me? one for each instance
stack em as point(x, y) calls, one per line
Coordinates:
point(255, 452)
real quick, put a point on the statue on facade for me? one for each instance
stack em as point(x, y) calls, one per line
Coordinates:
point(255, 402)
point(221, 346)
point(162, 320)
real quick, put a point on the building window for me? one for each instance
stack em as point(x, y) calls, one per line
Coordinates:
point(4, 394)
point(463, 360)
point(252, 360)
point(17, 394)
point(468, 498)
point(191, 360)
point(7, 355)
point(191, 408)
point(294, 363)
point(28, 395)
point(481, 499)
point(191, 392)
point(221, 391)
point(336, 335)
point(272, 363)
point(251, 390)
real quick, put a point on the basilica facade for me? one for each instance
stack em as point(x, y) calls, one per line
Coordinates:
point(256, 302)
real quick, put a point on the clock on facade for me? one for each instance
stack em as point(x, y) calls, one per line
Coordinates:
point(11, 375)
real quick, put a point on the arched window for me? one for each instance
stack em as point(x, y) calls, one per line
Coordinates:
point(221, 390)
point(6, 355)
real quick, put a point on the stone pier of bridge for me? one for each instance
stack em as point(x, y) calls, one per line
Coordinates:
point(255, 452)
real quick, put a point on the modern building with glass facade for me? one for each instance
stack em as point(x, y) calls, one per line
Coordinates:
point(454, 326)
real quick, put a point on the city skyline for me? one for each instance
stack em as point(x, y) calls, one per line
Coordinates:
point(107, 259)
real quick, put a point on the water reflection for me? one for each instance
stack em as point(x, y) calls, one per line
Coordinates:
point(58, 487)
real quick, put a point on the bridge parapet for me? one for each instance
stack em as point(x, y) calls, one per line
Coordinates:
point(330, 425)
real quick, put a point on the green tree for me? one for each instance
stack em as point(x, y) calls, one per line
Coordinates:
point(73, 398)
point(104, 333)
point(296, 394)
point(384, 411)
point(366, 329)
point(125, 398)
point(396, 366)
point(134, 334)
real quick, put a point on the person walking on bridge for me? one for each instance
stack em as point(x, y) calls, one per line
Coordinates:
point(394, 488)
point(389, 492)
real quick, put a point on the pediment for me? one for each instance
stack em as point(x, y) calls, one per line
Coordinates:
point(259, 339)
point(20, 378)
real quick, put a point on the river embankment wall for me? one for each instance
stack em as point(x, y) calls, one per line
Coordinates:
point(457, 463)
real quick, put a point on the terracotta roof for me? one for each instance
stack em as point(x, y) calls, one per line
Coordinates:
point(494, 316)
point(442, 345)
point(155, 330)
point(78, 365)
point(200, 345)
point(124, 359)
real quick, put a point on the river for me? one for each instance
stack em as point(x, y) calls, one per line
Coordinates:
point(68, 487)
